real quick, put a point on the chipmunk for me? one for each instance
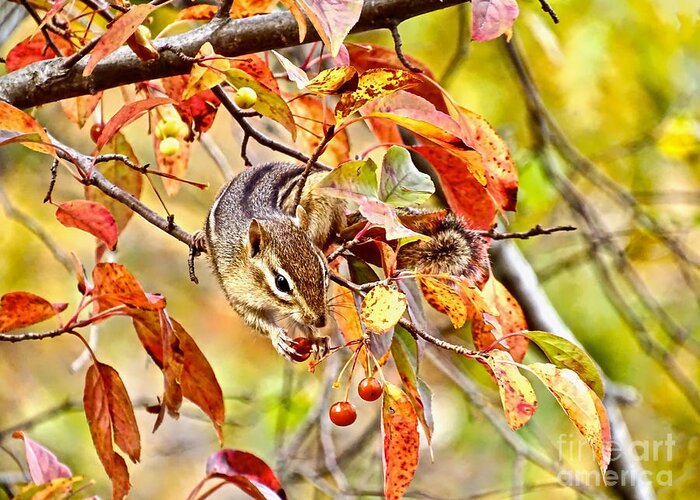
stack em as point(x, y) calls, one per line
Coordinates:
point(268, 254)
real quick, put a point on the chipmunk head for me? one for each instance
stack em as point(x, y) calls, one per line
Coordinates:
point(291, 269)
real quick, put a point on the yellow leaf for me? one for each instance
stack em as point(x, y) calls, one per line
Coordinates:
point(582, 406)
point(373, 84)
point(444, 298)
point(517, 395)
point(330, 81)
point(207, 74)
point(382, 308)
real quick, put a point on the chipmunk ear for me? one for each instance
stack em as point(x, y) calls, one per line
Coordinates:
point(302, 218)
point(256, 238)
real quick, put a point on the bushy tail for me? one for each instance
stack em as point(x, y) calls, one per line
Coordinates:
point(453, 249)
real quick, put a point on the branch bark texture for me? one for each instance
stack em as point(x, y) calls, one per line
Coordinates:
point(49, 81)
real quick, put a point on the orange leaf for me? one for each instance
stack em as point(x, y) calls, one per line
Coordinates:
point(256, 67)
point(16, 120)
point(298, 15)
point(382, 308)
point(332, 20)
point(78, 109)
point(198, 13)
point(510, 319)
point(197, 379)
point(247, 8)
point(517, 395)
point(582, 406)
point(444, 298)
point(126, 115)
point(373, 84)
point(117, 34)
point(110, 416)
point(91, 217)
point(346, 316)
point(115, 285)
point(20, 309)
point(33, 49)
point(401, 440)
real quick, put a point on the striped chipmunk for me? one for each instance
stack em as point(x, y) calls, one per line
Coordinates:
point(268, 255)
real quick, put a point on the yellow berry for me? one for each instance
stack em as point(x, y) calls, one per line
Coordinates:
point(169, 146)
point(245, 98)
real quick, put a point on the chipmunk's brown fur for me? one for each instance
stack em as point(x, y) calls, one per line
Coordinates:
point(267, 253)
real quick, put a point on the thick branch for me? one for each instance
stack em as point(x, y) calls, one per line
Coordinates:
point(48, 81)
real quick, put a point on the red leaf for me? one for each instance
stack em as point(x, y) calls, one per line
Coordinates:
point(198, 111)
point(20, 309)
point(33, 49)
point(115, 285)
point(232, 463)
point(197, 379)
point(400, 431)
point(492, 18)
point(465, 195)
point(91, 217)
point(43, 464)
point(126, 115)
point(110, 416)
point(117, 34)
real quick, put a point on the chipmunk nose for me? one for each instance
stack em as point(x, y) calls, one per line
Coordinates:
point(320, 321)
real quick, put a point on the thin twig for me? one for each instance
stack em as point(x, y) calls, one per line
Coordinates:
point(312, 161)
point(524, 235)
point(398, 48)
point(549, 10)
point(462, 50)
point(217, 155)
point(224, 11)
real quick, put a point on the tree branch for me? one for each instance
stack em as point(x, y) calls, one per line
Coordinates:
point(50, 81)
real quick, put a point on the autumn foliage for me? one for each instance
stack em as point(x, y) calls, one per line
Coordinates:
point(318, 103)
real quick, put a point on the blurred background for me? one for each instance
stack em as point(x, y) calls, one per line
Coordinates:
point(621, 81)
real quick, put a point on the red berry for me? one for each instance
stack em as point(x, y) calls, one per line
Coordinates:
point(342, 413)
point(302, 349)
point(370, 389)
point(96, 131)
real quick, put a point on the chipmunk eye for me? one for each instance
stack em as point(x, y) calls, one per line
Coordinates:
point(282, 284)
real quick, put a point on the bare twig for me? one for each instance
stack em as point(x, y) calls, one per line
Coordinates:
point(224, 11)
point(44, 31)
point(549, 10)
point(398, 44)
point(524, 235)
point(217, 155)
point(312, 161)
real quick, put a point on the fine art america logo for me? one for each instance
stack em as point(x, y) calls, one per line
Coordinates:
point(572, 447)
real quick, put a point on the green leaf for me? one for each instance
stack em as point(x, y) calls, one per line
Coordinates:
point(269, 104)
point(565, 354)
point(401, 184)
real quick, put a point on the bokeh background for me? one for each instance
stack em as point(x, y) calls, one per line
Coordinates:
point(623, 81)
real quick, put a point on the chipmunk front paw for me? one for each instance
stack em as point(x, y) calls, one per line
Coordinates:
point(283, 344)
point(320, 347)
